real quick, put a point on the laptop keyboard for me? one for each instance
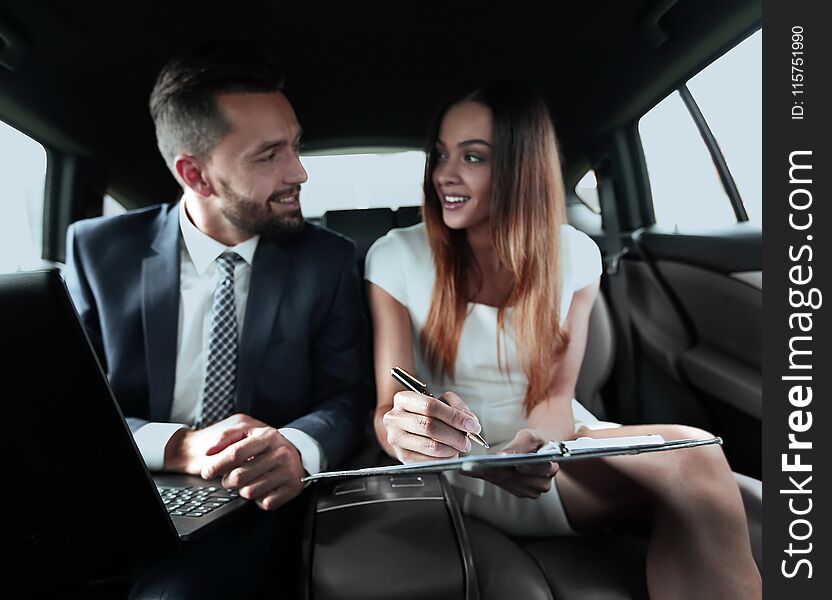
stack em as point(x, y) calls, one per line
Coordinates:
point(195, 501)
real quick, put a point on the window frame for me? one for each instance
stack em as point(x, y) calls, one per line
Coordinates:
point(709, 139)
point(50, 153)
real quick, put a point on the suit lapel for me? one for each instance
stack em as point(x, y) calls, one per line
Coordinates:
point(268, 280)
point(160, 312)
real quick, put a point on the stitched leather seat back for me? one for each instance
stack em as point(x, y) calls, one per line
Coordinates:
point(363, 226)
point(598, 358)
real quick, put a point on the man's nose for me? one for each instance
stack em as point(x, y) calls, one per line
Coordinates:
point(297, 174)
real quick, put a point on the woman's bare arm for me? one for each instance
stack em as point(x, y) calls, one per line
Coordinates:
point(554, 415)
point(409, 426)
point(392, 346)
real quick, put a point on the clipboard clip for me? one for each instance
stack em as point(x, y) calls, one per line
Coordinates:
point(554, 447)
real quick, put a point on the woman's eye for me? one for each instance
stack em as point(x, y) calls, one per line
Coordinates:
point(440, 156)
point(473, 158)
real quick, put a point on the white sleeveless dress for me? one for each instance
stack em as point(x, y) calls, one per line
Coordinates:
point(401, 264)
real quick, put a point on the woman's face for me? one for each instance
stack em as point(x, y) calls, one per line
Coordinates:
point(462, 176)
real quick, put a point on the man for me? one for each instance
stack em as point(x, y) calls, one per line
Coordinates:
point(230, 329)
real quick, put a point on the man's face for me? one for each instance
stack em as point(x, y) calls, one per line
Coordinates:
point(255, 169)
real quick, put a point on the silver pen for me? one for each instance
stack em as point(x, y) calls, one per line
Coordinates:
point(414, 385)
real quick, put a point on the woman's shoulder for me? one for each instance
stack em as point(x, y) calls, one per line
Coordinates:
point(402, 242)
point(575, 241)
point(583, 258)
point(399, 258)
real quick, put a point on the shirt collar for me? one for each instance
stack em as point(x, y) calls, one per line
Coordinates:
point(204, 250)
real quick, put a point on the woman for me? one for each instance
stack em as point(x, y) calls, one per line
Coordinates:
point(491, 297)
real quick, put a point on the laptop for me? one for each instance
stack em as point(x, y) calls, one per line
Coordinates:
point(80, 489)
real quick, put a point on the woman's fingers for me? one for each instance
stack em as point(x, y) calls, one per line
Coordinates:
point(533, 489)
point(417, 448)
point(526, 440)
point(523, 486)
point(547, 469)
point(422, 428)
point(442, 427)
point(432, 407)
point(437, 438)
point(455, 402)
point(436, 430)
point(525, 480)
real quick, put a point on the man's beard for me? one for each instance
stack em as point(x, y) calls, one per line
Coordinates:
point(255, 217)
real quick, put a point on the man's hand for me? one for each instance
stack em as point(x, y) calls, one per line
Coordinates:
point(264, 466)
point(187, 450)
point(249, 455)
point(524, 481)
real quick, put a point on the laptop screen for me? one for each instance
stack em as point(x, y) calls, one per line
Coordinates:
point(80, 493)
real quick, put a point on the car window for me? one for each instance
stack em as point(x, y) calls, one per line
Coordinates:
point(362, 179)
point(684, 181)
point(583, 205)
point(22, 179)
point(112, 206)
point(587, 192)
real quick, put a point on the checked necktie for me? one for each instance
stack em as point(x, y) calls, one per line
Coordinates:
point(221, 367)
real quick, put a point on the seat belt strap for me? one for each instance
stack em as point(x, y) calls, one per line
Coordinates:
point(616, 287)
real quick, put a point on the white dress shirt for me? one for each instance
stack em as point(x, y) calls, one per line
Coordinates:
point(198, 278)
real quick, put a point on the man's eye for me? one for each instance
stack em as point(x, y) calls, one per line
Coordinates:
point(269, 157)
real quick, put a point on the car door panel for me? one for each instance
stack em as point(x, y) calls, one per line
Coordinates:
point(656, 321)
point(714, 282)
point(733, 249)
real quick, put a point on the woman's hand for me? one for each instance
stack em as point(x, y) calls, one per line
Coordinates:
point(420, 428)
point(524, 481)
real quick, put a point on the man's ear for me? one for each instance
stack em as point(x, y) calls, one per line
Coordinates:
point(190, 171)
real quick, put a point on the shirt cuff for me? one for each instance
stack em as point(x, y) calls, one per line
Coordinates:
point(152, 439)
point(311, 454)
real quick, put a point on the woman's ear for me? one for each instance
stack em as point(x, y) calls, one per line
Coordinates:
point(191, 173)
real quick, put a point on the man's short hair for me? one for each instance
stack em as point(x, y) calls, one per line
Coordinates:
point(183, 103)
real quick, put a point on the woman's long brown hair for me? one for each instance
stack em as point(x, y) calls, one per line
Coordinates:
point(527, 209)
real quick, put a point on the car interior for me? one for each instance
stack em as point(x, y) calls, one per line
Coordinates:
point(675, 335)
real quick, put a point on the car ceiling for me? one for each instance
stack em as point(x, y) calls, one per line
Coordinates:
point(359, 72)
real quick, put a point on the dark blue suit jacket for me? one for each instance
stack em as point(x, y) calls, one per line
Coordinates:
point(302, 353)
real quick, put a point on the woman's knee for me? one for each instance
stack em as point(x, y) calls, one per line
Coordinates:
point(688, 483)
point(699, 480)
point(704, 465)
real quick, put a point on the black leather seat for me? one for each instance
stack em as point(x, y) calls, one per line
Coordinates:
point(608, 566)
point(364, 226)
point(408, 215)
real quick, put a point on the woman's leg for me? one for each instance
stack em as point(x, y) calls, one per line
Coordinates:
point(699, 544)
